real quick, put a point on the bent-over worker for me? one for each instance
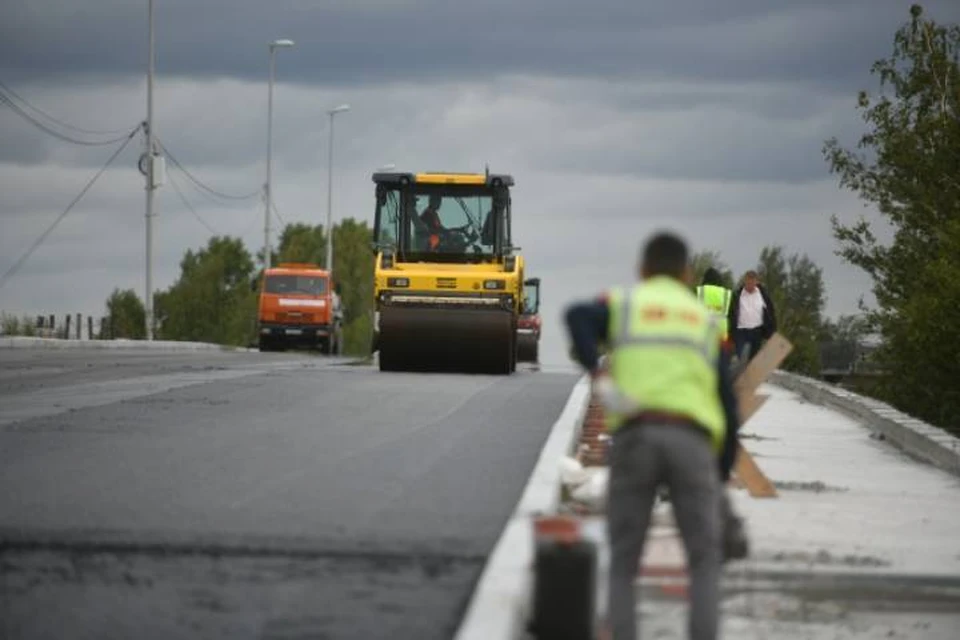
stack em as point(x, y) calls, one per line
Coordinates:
point(672, 412)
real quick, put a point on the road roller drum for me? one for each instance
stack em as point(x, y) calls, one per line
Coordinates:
point(428, 339)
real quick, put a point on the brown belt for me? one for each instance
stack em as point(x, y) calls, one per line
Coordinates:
point(663, 417)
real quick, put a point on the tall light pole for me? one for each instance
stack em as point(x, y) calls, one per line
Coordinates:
point(268, 188)
point(332, 112)
point(148, 298)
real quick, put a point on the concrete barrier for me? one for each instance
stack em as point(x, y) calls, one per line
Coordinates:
point(915, 437)
point(22, 342)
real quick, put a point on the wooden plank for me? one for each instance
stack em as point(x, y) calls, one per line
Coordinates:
point(748, 379)
point(749, 406)
point(764, 363)
point(749, 474)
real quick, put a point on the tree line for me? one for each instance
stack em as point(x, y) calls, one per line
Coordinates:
point(907, 166)
point(215, 297)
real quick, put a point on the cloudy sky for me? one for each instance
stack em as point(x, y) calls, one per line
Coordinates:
point(615, 117)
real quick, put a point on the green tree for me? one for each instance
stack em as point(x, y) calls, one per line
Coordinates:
point(301, 242)
point(703, 260)
point(126, 316)
point(353, 270)
point(211, 301)
point(846, 328)
point(795, 285)
point(908, 167)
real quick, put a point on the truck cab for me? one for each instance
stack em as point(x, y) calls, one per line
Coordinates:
point(298, 307)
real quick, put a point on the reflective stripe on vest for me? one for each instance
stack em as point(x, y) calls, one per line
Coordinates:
point(666, 361)
point(625, 338)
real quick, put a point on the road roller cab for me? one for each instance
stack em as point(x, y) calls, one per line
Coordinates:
point(528, 326)
point(448, 281)
point(298, 307)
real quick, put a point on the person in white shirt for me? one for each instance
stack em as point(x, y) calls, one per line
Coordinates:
point(752, 318)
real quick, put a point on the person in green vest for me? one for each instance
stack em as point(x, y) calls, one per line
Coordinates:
point(668, 402)
point(716, 297)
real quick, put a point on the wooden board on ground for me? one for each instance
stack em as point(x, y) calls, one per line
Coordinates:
point(750, 378)
point(750, 475)
point(749, 405)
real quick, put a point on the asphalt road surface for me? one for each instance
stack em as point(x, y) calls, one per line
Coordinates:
point(249, 495)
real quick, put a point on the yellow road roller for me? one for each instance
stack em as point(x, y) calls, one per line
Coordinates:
point(448, 281)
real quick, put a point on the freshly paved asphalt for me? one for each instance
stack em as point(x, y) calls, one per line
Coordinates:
point(249, 495)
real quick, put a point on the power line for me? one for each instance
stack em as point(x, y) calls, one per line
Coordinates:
point(58, 121)
point(200, 184)
point(6, 276)
point(189, 206)
point(277, 213)
point(46, 129)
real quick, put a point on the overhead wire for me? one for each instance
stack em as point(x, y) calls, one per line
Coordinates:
point(53, 132)
point(67, 125)
point(189, 206)
point(193, 210)
point(196, 181)
point(36, 244)
point(277, 213)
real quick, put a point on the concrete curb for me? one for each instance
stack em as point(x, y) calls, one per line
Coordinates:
point(916, 437)
point(500, 603)
point(22, 342)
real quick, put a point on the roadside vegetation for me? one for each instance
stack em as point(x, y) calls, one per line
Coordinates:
point(214, 299)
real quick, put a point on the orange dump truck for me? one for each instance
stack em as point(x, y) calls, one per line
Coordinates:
point(298, 307)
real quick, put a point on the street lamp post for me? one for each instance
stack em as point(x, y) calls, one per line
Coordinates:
point(331, 112)
point(268, 188)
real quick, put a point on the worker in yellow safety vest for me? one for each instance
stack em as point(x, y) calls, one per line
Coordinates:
point(716, 297)
point(669, 405)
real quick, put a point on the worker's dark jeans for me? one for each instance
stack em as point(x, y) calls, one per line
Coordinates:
point(748, 337)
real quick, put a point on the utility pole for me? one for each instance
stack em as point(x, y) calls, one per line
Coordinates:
point(268, 188)
point(148, 298)
point(329, 229)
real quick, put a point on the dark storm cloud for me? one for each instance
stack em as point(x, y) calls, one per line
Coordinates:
point(364, 41)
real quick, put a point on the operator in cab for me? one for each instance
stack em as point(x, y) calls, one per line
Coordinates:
point(430, 217)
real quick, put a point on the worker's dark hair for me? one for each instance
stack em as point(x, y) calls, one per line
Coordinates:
point(665, 255)
point(712, 276)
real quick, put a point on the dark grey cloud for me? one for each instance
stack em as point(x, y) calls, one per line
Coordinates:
point(822, 42)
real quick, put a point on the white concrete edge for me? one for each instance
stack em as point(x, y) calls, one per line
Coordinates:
point(26, 342)
point(916, 437)
point(499, 605)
